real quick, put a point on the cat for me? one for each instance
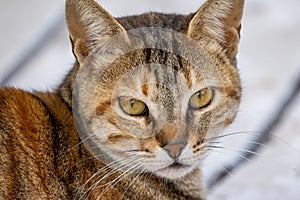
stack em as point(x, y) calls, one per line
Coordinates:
point(132, 124)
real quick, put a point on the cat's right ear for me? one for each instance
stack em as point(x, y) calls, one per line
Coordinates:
point(89, 25)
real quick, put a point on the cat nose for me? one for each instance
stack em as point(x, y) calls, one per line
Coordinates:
point(174, 150)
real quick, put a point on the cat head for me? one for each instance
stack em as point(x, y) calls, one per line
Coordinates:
point(152, 99)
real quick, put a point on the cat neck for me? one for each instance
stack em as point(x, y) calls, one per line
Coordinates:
point(75, 166)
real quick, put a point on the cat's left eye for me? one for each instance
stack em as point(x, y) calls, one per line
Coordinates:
point(201, 99)
point(133, 107)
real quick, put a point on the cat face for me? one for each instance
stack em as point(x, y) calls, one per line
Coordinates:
point(152, 100)
point(164, 118)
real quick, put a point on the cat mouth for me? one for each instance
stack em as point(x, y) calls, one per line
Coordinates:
point(174, 171)
point(177, 166)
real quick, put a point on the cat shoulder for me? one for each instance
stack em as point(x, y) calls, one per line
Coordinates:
point(20, 109)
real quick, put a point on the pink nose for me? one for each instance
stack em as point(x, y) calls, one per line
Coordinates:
point(174, 150)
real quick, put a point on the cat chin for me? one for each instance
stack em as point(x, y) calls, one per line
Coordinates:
point(174, 171)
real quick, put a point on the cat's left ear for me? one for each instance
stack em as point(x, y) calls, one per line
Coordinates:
point(89, 25)
point(217, 24)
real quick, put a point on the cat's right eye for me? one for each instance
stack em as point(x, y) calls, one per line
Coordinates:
point(133, 107)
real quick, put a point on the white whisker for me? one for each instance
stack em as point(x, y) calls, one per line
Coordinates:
point(138, 176)
point(113, 167)
point(117, 180)
point(118, 166)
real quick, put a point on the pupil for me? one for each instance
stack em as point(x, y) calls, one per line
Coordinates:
point(199, 94)
point(131, 103)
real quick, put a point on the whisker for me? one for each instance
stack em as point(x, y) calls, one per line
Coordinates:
point(244, 151)
point(123, 165)
point(232, 149)
point(256, 143)
point(138, 176)
point(127, 170)
point(73, 165)
point(234, 159)
point(81, 142)
point(107, 167)
point(253, 133)
point(110, 165)
point(226, 170)
point(213, 147)
point(117, 180)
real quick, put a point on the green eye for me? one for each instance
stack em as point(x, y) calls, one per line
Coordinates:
point(133, 107)
point(201, 98)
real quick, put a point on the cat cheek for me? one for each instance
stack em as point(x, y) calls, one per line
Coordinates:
point(123, 142)
point(147, 120)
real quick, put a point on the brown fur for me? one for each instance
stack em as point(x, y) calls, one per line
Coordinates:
point(41, 154)
point(42, 159)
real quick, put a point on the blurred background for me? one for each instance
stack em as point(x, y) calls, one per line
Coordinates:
point(35, 54)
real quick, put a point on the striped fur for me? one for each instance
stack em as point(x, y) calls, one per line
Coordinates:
point(78, 143)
